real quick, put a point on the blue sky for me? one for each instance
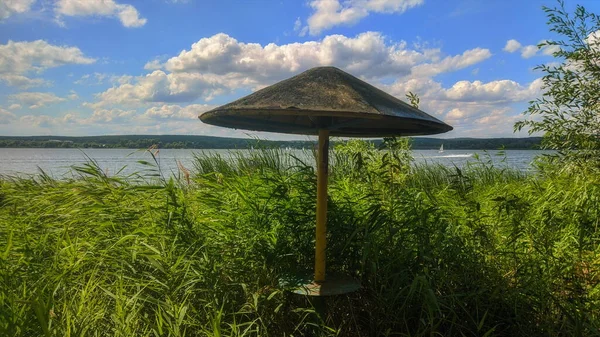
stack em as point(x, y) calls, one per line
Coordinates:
point(94, 67)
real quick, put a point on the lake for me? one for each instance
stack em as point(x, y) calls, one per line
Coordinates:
point(58, 162)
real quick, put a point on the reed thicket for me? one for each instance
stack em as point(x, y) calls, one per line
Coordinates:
point(472, 251)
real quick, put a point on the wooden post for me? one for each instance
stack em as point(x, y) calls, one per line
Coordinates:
point(322, 172)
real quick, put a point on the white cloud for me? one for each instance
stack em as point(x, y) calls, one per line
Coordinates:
point(452, 63)
point(163, 120)
point(11, 7)
point(474, 109)
point(529, 51)
point(550, 50)
point(512, 46)
point(23, 82)
point(495, 92)
point(297, 25)
point(190, 112)
point(109, 116)
point(153, 65)
point(367, 54)
point(331, 13)
point(156, 120)
point(593, 40)
point(495, 116)
point(6, 116)
point(220, 64)
point(83, 79)
point(502, 91)
point(483, 120)
point(127, 14)
point(14, 107)
point(159, 86)
point(73, 95)
point(35, 100)
point(42, 121)
point(92, 79)
point(122, 79)
point(20, 58)
point(130, 17)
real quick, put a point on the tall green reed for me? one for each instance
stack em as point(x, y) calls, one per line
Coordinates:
point(471, 251)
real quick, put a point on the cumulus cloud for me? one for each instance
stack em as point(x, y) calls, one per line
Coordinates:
point(11, 7)
point(593, 39)
point(20, 58)
point(550, 50)
point(529, 51)
point(109, 116)
point(42, 121)
point(498, 92)
point(6, 116)
point(35, 100)
point(176, 112)
point(512, 46)
point(331, 13)
point(483, 120)
point(477, 109)
point(367, 54)
point(502, 91)
point(496, 116)
point(159, 86)
point(153, 65)
point(121, 79)
point(14, 107)
point(127, 14)
point(221, 64)
point(452, 63)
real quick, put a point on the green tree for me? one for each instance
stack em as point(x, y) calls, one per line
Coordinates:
point(568, 111)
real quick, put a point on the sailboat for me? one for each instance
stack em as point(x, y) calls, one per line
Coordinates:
point(441, 149)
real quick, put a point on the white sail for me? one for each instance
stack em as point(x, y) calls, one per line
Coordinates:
point(441, 149)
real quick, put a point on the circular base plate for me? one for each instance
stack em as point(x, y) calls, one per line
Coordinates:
point(335, 284)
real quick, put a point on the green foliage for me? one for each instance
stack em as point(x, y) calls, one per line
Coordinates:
point(413, 99)
point(476, 251)
point(569, 109)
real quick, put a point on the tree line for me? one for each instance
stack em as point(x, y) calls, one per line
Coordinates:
point(208, 142)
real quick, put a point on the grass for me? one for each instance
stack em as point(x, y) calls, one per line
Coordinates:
point(478, 251)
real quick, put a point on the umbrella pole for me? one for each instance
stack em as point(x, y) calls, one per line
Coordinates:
point(322, 172)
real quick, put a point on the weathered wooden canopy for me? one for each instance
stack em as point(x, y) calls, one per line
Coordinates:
point(325, 98)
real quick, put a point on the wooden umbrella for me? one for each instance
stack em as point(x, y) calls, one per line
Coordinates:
point(324, 101)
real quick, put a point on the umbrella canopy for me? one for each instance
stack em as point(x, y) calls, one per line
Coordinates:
point(327, 102)
point(325, 98)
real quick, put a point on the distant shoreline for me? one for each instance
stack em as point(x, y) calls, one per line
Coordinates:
point(209, 142)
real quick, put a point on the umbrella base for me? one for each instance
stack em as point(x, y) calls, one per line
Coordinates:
point(335, 284)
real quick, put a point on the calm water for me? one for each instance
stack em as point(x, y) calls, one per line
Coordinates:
point(58, 162)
